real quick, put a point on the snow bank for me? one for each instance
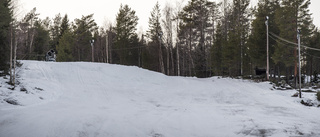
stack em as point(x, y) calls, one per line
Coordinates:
point(82, 99)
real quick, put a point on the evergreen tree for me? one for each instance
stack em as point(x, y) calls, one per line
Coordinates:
point(187, 37)
point(65, 47)
point(257, 40)
point(41, 40)
point(196, 25)
point(221, 56)
point(126, 37)
point(65, 26)
point(236, 35)
point(293, 15)
point(230, 54)
point(216, 51)
point(83, 30)
point(155, 35)
point(5, 24)
point(154, 24)
point(55, 31)
point(66, 41)
point(312, 56)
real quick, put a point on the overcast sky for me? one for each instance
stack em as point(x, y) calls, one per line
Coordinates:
point(106, 10)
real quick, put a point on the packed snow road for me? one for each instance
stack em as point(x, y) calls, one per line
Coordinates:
point(102, 100)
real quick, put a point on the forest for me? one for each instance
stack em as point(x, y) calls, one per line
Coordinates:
point(202, 38)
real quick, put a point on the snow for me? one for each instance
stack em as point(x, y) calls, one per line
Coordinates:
point(81, 99)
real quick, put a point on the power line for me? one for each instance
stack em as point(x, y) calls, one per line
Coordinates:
point(312, 55)
point(310, 48)
point(283, 39)
point(316, 49)
point(281, 42)
point(273, 37)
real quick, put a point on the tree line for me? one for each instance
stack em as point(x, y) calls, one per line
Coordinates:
point(202, 38)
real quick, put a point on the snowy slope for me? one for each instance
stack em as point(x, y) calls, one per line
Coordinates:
point(102, 100)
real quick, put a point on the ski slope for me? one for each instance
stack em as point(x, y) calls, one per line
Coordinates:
point(82, 99)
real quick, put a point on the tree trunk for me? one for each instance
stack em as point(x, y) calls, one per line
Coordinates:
point(172, 63)
point(168, 61)
point(107, 48)
point(178, 60)
point(177, 46)
point(161, 65)
point(31, 41)
point(139, 58)
point(11, 40)
point(191, 65)
point(15, 61)
point(311, 69)
point(279, 72)
point(110, 51)
point(183, 71)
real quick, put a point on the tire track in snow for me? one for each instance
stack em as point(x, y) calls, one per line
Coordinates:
point(80, 78)
point(45, 71)
point(41, 71)
point(82, 82)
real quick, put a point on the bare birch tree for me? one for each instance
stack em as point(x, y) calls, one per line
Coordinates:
point(167, 23)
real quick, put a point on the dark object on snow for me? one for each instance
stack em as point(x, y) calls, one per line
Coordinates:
point(23, 89)
point(260, 71)
point(51, 56)
point(295, 95)
point(40, 89)
point(11, 101)
point(307, 103)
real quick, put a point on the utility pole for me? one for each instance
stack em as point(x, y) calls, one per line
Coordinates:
point(267, 25)
point(92, 42)
point(299, 31)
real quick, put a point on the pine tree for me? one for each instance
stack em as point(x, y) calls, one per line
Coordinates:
point(216, 51)
point(55, 31)
point(126, 37)
point(312, 56)
point(187, 38)
point(66, 41)
point(64, 26)
point(293, 15)
point(257, 40)
point(230, 54)
point(155, 35)
point(41, 40)
point(5, 24)
point(236, 32)
point(83, 32)
point(241, 11)
point(195, 27)
point(65, 47)
point(154, 24)
point(221, 53)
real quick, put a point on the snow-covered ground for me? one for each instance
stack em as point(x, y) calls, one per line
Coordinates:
point(102, 100)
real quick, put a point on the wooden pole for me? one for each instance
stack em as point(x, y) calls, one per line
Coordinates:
point(267, 25)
